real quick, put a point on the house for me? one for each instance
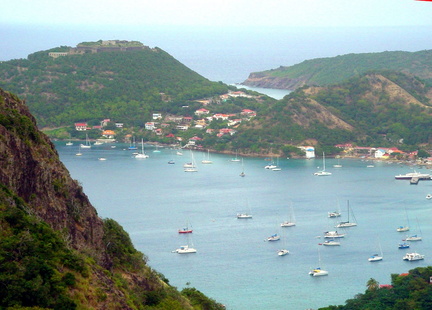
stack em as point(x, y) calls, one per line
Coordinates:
point(220, 116)
point(187, 119)
point(210, 131)
point(108, 134)
point(81, 126)
point(201, 123)
point(182, 127)
point(201, 111)
point(119, 125)
point(150, 126)
point(158, 132)
point(157, 116)
point(247, 112)
point(225, 131)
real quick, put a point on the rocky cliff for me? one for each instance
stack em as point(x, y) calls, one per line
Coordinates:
point(54, 251)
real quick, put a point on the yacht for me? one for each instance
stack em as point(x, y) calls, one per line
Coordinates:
point(185, 249)
point(317, 272)
point(415, 174)
point(413, 256)
point(333, 234)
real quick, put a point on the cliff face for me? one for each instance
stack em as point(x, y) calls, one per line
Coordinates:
point(52, 242)
point(260, 79)
point(30, 167)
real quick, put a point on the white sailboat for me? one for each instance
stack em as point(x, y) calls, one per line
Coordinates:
point(69, 142)
point(338, 165)
point(317, 272)
point(406, 227)
point(236, 159)
point(79, 151)
point(277, 168)
point(87, 144)
point(244, 215)
point(335, 214)
point(415, 237)
point(376, 257)
point(291, 221)
point(323, 172)
point(347, 223)
point(186, 249)
point(330, 242)
point(142, 155)
point(191, 166)
point(207, 160)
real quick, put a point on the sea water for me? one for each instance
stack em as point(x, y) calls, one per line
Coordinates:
point(234, 263)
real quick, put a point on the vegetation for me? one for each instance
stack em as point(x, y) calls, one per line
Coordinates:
point(332, 70)
point(123, 86)
point(407, 291)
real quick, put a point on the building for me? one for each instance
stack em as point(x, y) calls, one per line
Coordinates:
point(81, 126)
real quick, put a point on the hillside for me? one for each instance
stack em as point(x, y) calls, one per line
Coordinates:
point(327, 71)
point(55, 252)
point(124, 83)
point(381, 108)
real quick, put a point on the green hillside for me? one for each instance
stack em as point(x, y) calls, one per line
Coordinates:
point(326, 71)
point(376, 109)
point(124, 86)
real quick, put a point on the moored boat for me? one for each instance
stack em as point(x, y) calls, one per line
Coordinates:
point(413, 256)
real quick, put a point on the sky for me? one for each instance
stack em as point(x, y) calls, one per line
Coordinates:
point(229, 13)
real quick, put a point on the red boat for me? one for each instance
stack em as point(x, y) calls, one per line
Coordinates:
point(185, 231)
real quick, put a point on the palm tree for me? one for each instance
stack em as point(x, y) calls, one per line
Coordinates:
point(372, 284)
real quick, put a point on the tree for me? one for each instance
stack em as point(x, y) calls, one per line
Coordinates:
point(372, 284)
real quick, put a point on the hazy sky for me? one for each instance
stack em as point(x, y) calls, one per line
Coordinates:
point(229, 13)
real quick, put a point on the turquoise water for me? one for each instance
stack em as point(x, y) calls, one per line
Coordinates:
point(234, 264)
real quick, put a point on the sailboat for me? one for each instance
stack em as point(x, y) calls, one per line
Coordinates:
point(186, 249)
point(376, 257)
point(274, 237)
point(404, 228)
point(244, 215)
point(317, 272)
point(276, 168)
point(190, 167)
point(87, 144)
point(347, 223)
point(132, 146)
point(242, 174)
point(142, 154)
point(207, 160)
point(323, 172)
point(271, 165)
point(236, 159)
point(415, 237)
point(69, 142)
point(79, 151)
point(330, 242)
point(334, 213)
point(291, 221)
point(338, 165)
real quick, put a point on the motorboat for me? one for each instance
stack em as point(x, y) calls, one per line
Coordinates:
point(244, 216)
point(333, 234)
point(413, 256)
point(283, 252)
point(333, 214)
point(375, 258)
point(403, 245)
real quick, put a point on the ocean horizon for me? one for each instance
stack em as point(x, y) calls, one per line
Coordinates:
point(224, 54)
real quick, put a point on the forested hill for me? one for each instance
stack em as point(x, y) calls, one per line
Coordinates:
point(375, 109)
point(121, 85)
point(55, 251)
point(326, 71)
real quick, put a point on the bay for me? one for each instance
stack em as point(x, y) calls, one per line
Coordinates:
point(234, 264)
